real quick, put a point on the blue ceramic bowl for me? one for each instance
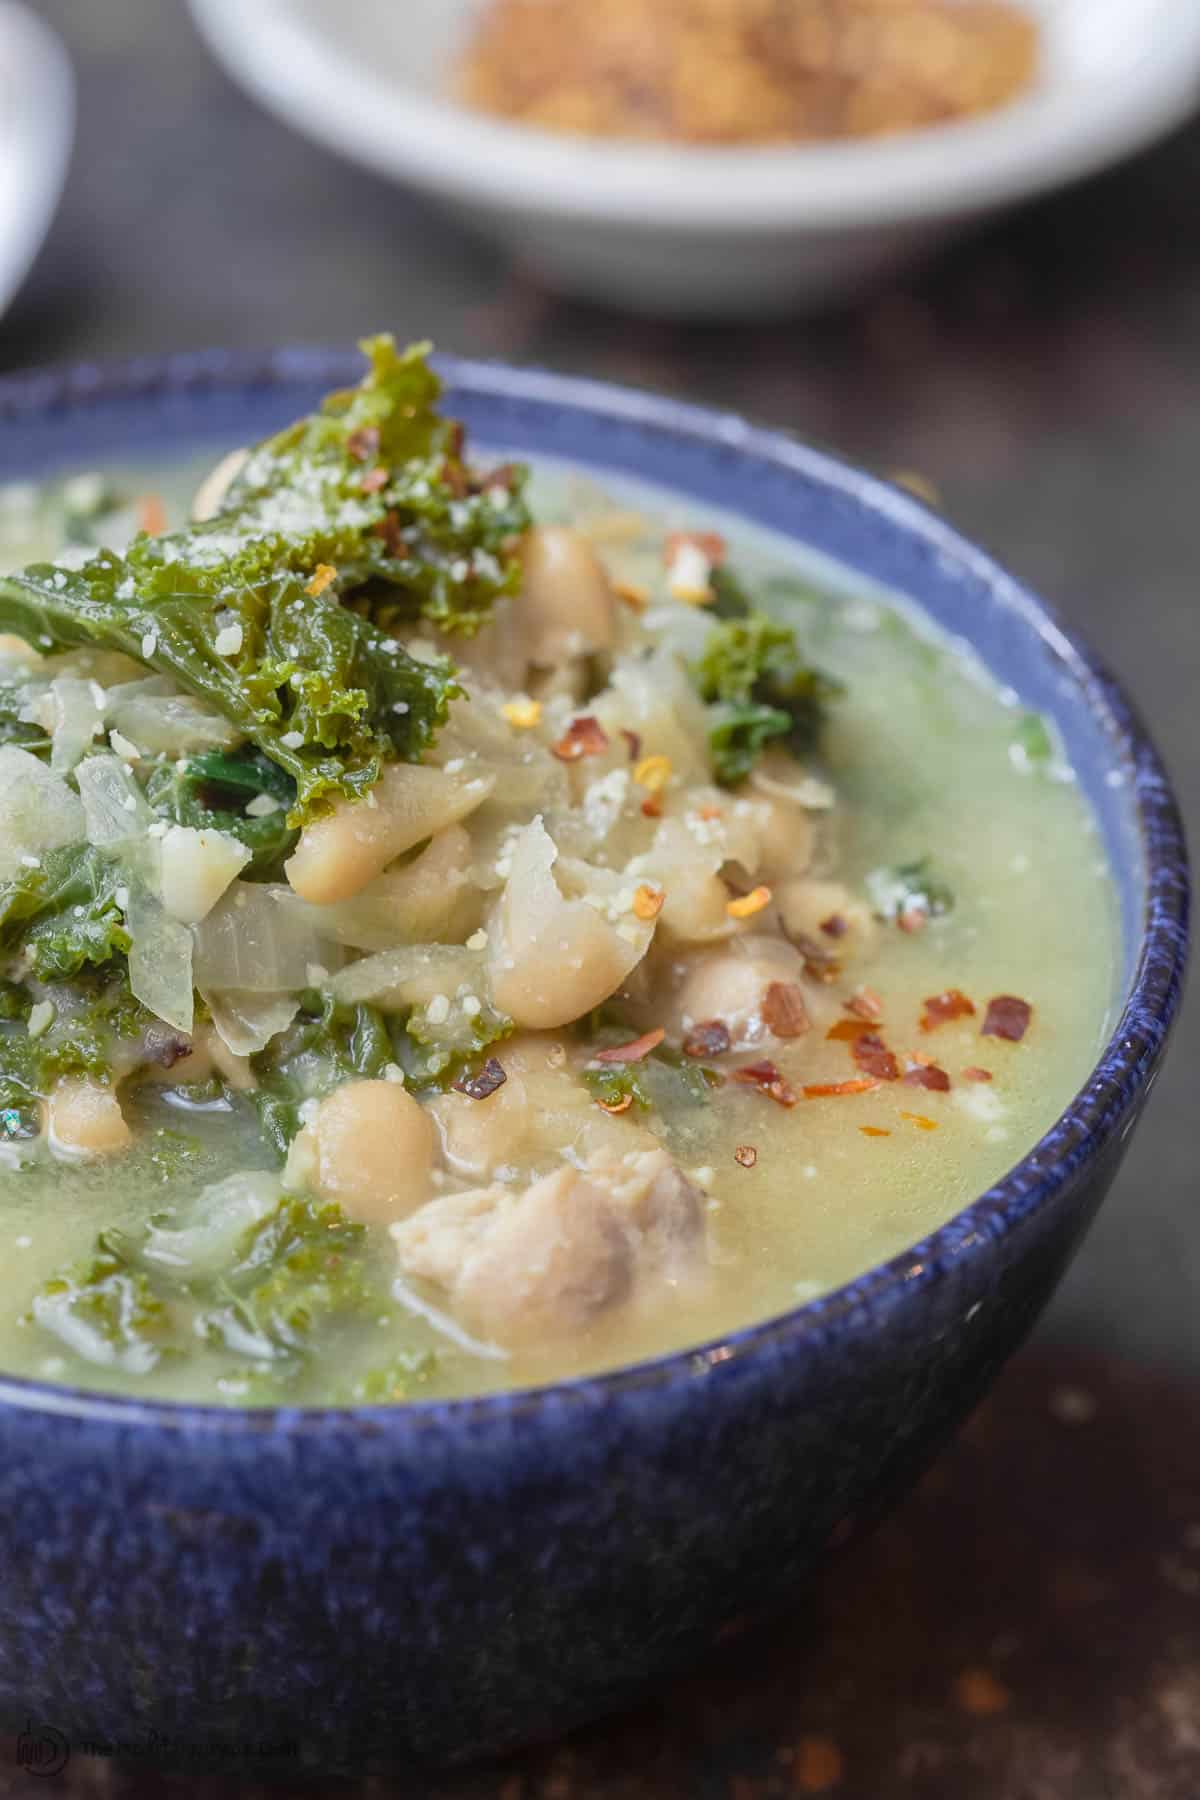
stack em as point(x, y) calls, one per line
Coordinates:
point(449, 1578)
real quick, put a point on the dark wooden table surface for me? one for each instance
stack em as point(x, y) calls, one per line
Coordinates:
point(1028, 1627)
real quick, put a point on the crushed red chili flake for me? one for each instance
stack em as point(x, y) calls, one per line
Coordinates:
point(373, 480)
point(746, 1154)
point(583, 737)
point(484, 1082)
point(920, 1121)
point(827, 1090)
point(1007, 1017)
point(928, 1075)
point(865, 1003)
point(912, 919)
point(363, 444)
point(820, 964)
point(874, 1131)
point(873, 1057)
point(502, 476)
point(977, 1074)
point(652, 807)
point(151, 515)
point(941, 1008)
point(784, 1011)
point(616, 1106)
point(845, 1031)
point(634, 742)
point(767, 1079)
point(709, 1038)
point(456, 479)
point(710, 544)
point(634, 1051)
point(835, 926)
point(389, 529)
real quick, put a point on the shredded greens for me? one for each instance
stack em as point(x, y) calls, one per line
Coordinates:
point(275, 612)
point(758, 685)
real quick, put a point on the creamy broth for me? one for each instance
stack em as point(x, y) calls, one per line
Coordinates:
point(921, 758)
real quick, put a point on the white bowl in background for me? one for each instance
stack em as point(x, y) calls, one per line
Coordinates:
point(37, 125)
point(705, 232)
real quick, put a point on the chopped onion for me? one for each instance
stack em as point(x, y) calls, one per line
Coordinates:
point(442, 1322)
point(160, 959)
point(247, 1022)
point(77, 720)
point(410, 975)
point(216, 1220)
point(114, 805)
point(37, 811)
point(172, 724)
point(253, 941)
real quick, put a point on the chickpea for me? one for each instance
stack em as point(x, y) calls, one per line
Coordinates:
point(85, 1119)
point(567, 603)
point(339, 854)
point(371, 1149)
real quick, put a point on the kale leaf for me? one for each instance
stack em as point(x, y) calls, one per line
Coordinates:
point(210, 792)
point(352, 519)
point(905, 889)
point(106, 1310)
point(64, 914)
point(760, 690)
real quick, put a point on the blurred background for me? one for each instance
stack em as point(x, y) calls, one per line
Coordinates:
point(1029, 1627)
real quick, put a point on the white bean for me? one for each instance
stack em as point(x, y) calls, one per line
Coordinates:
point(567, 604)
point(370, 1148)
point(339, 854)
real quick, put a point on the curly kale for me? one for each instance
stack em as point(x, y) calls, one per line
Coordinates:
point(760, 689)
point(210, 792)
point(278, 611)
point(107, 1310)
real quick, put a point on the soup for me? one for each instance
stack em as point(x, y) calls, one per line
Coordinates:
point(466, 927)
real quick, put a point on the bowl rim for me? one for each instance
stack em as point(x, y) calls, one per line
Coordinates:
point(1095, 1116)
point(1059, 130)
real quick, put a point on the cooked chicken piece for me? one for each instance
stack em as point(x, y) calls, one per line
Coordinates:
point(534, 1265)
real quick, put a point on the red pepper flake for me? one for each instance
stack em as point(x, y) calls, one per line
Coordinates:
point(151, 515)
point(710, 1038)
point(711, 812)
point(632, 1052)
point(710, 544)
point(389, 529)
point(874, 1131)
point(583, 737)
point(616, 1106)
point(835, 926)
point(912, 919)
point(767, 1079)
point(847, 1031)
point(928, 1076)
point(976, 1074)
point(941, 1008)
point(652, 807)
point(455, 478)
point(363, 444)
point(784, 1011)
point(865, 1003)
point(1007, 1017)
point(873, 1057)
point(634, 742)
point(828, 1090)
point(502, 476)
point(373, 480)
point(920, 1121)
point(746, 1154)
point(820, 964)
point(484, 1082)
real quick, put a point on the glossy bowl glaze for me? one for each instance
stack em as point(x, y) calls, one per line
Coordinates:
point(381, 1586)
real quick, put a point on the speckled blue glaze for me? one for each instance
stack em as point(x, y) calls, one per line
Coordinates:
point(439, 1580)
